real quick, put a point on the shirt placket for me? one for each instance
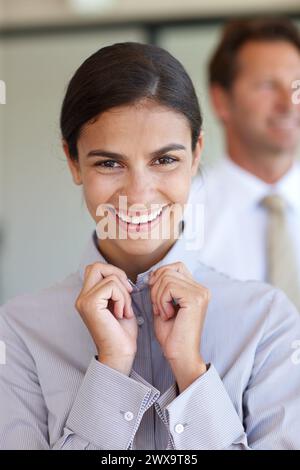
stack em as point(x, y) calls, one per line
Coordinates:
point(145, 436)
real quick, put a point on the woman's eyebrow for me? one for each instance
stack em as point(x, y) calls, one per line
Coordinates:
point(106, 153)
point(167, 148)
point(155, 153)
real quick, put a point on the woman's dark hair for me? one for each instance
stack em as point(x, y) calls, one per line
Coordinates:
point(124, 74)
point(223, 65)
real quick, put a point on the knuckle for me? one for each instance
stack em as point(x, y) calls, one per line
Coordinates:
point(114, 281)
point(208, 295)
point(91, 266)
point(97, 265)
point(87, 269)
point(169, 284)
point(125, 294)
point(168, 272)
point(168, 279)
point(78, 303)
point(203, 296)
point(121, 273)
point(199, 300)
point(81, 303)
point(117, 271)
point(159, 270)
point(162, 276)
point(112, 278)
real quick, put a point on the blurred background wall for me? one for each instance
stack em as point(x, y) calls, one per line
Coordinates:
point(44, 224)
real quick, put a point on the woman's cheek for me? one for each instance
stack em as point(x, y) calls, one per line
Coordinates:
point(178, 184)
point(96, 191)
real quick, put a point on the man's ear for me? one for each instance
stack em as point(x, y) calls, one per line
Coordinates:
point(221, 102)
point(73, 164)
point(197, 154)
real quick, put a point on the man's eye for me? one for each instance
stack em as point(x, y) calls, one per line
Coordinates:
point(165, 160)
point(267, 84)
point(108, 164)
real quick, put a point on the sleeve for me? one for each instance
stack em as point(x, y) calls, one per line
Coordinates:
point(272, 398)
point(106, 412)
point(203, 416)
point(108, 401)
point(23, 414)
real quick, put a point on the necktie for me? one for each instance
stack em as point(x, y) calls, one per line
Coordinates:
point(281, 256)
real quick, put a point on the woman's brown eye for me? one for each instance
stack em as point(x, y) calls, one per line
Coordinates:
point(166, 160)
point(106, 164)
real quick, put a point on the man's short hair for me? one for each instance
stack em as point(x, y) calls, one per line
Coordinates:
point(223, 64)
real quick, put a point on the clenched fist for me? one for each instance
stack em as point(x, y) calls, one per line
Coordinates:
point(179, 307)
point(104, 304)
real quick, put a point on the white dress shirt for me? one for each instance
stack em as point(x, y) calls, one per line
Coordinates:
point(235, 224)
point(54, 394)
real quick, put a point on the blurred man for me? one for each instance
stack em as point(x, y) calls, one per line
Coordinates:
point(252, 196)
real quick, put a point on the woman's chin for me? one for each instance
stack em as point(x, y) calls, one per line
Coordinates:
point(140, 247)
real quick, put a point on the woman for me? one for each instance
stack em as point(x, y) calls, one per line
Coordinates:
point(166, 353)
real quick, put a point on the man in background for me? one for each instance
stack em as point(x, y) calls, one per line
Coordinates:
point(252, 195)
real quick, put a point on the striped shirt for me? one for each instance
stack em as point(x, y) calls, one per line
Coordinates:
point(54, 394)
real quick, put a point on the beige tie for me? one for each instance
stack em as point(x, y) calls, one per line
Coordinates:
point(282, 260)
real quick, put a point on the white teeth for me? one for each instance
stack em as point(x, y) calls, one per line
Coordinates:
point(143, 219)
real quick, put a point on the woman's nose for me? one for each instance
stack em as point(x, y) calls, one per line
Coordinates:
point(138, 184)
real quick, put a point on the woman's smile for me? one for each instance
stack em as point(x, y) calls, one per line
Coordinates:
point(140, 221)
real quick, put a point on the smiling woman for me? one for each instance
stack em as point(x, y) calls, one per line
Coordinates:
point(138, 135)
point(144, 347)
point(153, 172)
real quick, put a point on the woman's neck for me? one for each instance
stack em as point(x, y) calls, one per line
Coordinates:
point(131, 263)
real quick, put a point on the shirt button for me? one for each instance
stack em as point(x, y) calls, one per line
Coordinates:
point(179, 428)
point(140, 320)
point(128, 416)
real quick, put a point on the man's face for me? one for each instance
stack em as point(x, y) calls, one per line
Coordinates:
point(259, 108)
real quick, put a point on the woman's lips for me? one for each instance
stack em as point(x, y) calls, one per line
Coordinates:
point(140, 227)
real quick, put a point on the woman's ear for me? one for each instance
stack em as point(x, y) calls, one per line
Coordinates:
point(73, 164)
point(197, 154)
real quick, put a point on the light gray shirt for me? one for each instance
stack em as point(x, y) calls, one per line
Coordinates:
point(54, 394)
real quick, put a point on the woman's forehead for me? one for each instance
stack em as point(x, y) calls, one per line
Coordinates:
point(135, 125)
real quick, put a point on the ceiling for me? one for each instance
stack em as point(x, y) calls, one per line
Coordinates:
point(14, 13)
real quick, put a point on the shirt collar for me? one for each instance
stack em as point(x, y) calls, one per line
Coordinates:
point(184, 249)
point(289, 186)
point(251, 189)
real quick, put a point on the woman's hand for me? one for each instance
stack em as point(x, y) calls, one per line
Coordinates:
point(104, 304)
point(178, 328)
